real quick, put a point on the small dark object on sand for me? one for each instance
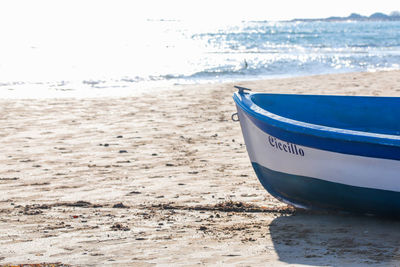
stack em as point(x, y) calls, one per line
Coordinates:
point(120, 227)
point(120, 206)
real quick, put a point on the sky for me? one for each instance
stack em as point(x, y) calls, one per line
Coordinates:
point(266, 9)
point(28, 11)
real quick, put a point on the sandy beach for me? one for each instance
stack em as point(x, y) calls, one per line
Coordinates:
point(164, 179)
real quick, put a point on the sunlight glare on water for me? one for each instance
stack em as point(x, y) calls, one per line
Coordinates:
point(93, 52)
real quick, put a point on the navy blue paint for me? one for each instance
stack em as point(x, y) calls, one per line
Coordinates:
point(319, 194)
point(314, 135)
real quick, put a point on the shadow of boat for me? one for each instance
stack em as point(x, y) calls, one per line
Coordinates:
point(335, 240)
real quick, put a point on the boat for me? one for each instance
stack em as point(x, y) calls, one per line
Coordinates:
point(325, 151)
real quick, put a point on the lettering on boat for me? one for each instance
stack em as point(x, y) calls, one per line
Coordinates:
point(285, 146)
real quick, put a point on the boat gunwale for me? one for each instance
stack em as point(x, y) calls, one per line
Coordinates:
point(243, 99)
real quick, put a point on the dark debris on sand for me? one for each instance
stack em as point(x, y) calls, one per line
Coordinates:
point(120, 206)
point(230, 206)
point(120, 227)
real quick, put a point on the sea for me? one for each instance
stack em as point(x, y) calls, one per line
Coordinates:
point(156, 54)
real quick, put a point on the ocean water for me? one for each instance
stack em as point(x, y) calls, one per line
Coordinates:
point(92, 61)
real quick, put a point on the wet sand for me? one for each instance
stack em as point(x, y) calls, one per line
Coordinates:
point(165, 180)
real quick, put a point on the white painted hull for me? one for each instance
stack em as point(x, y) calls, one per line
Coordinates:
point(353, 170)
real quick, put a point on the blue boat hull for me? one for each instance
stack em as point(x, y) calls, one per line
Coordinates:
point(319, 166)
point(314, 193)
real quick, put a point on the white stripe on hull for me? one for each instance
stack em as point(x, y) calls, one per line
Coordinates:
point(335, 167)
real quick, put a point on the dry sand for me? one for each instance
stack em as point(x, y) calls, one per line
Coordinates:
point(165, 180)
